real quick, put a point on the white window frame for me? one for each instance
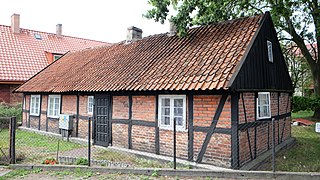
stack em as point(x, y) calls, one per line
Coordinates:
point(269, 105)
point(270, 51)
point(170, 127)
point(88, 106)
point(50, 97)
point(34, 105)
point(56, 57)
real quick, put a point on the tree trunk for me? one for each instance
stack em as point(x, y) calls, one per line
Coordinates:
point(316, 82)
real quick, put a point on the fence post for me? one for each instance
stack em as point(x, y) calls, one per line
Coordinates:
point(12, 131)
point(174, 145)
point(273, 146)
point(89, 141)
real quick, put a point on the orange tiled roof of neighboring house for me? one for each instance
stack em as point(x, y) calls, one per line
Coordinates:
point(204, 60)
point(22, 55)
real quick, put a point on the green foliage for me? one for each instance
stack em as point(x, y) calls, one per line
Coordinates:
point(155, 173)
point(82, 161)
point(20, 173)
point(10, 111)
point(300, 103)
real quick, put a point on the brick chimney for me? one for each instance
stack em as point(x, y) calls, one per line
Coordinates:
point(133, 34)
point(59, 29)
point(172, 29)
point(15, 23)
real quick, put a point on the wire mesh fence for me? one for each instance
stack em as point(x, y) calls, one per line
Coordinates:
point(285, 147)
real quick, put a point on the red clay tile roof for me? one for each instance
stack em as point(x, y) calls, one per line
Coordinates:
point(205, 60)
point(22, 55)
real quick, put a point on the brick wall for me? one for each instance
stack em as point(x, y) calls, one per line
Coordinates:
point(69, 103)
point(6, 95)
point(263, 132)
point(219, 148)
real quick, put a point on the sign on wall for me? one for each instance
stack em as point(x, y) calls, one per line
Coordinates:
point(318, 127)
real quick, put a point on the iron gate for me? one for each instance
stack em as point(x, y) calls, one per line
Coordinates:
point(102, 119)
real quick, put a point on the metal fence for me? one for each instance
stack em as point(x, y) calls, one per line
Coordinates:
point(273, 140)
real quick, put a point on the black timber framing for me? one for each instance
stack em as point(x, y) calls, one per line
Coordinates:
point(157, 133)
point(212, 127)
point(134, 122)
point(40, 105)
point(234, 131)
point(47, 123)
point(110, 118)
point(28, 124)
point(255, 127)
point(216, 130)
point(190, 127)
point(77, 115)
point(244, 126)
point(278, 115)
point(130, 123)
point(246, 121)
point(285, 119)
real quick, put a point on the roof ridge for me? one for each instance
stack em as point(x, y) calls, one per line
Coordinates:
point(49, 33)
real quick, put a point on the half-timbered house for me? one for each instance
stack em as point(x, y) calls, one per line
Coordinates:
point(222, 85)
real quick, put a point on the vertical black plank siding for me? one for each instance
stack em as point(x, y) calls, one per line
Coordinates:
point(190, 127)
point(212, 127)
point(234, 130)
point(130, 123)
point(256, 71)
point(157, 135)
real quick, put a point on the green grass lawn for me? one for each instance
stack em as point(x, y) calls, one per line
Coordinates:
point(305, 155)
point(302, 114)
point(33, 147)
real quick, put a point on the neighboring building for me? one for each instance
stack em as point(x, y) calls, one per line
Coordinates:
point(223, 84)
point(25, 52)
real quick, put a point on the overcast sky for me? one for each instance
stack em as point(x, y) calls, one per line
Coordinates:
point(104, 20)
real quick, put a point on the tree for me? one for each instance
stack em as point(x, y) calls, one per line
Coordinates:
point(298, 68)
point(293, 20)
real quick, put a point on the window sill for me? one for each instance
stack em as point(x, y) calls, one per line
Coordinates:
point(171, 129)
point(34, 115)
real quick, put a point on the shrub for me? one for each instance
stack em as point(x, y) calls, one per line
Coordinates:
point(82, 161)
point(300, 103)
point(10, 111)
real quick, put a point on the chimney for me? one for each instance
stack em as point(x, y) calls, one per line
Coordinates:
point(15, 23)
point(59, 30)
point(172, 29)
point(133, 34)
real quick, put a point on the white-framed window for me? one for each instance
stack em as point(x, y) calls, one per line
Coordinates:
point(56, 56)
point(90, 104)
point(54, 106)
point(263, 105)
point(270, 53)
point(35, 105)
point(172, 107)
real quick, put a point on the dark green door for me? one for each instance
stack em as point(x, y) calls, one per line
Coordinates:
point(102, 119)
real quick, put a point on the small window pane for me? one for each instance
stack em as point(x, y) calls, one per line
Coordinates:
point(165, 120)
point(165, 102)
point(178, 121)
point(270, 53)
point(178, 111)
point(165, 111)
point(178, 103)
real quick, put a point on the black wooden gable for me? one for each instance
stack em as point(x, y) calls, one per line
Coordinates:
point(255, 72)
